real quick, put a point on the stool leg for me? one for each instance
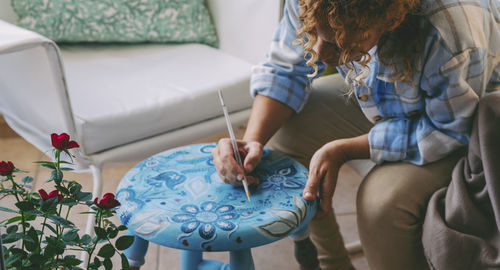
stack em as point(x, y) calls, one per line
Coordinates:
point(241, 260)
point(190, 259)
point(136, 252)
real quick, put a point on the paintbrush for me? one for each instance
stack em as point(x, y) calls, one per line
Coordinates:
point(233, 142)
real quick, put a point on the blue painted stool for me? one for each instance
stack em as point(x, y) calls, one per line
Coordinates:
point(177, 199)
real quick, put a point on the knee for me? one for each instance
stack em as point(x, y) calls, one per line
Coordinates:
point(382, 205)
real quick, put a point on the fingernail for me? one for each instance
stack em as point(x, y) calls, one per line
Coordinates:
point(307, 194)
point(239, 177)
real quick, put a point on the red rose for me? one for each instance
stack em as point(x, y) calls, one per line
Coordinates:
point(52, 194)
point(62, 142)
point(6, 168)
point(108, 201)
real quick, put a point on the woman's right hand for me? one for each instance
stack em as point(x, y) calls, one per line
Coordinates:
point(227, 166)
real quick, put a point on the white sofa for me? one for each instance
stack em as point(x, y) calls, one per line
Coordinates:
point(126, 102)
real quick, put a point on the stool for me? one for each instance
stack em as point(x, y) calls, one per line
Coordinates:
point(177, 199)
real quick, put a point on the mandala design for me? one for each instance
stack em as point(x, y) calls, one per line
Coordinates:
point(206, 218)
point(283, 179)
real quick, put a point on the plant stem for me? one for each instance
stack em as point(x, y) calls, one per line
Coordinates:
point(67, 214)
point(14, 187)
point(58, 159)
point(97, 237)
point(41, 235)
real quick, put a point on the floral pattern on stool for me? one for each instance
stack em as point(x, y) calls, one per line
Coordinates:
point(177, 199)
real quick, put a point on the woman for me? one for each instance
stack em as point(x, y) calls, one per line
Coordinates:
point(417, 70)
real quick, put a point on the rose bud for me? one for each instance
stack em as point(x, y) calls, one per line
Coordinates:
point(108, 201)
point(62, 141)
point(6, 168)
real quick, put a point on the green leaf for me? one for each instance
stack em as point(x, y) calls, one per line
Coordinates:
point(7, 210)
point(74, 187)
point(97, 262)
point(61, 221)
point(112, 232)
point(27, 179)
point(25, 205)
point(56, 175)
point(12, 229)
point(107, 264)
point(67, 169)
point(14, 219)
point(65, 162)
point(19, 171)
point(43, 162)
point(57, 246)
point(83, 196)
point(85, 240)
point(49, 205)
point(71, 260)
point(33, 213)
point(125, 264)
point(50, 227)
point(35, 259)
point(70, 235)
point(11, 238)
point(12, 259)
point(68, 202)
point(122, 228)
point(32, 235)
point(63, 190)
point(106, 251)
point(50, 166)
point(124, 242)
point(100, 232)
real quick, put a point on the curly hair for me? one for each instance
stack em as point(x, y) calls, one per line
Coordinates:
point(396, 48)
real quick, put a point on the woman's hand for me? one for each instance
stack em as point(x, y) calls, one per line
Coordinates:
point(325, 165)
point(227, 166)
point(323, 171)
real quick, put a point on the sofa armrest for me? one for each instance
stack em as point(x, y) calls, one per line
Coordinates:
point(245, 27)
point(34, 98)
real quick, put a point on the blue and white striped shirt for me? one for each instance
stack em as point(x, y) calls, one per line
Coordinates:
point(460, 63)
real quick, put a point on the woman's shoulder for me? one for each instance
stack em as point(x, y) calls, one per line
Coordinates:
point(463, 24)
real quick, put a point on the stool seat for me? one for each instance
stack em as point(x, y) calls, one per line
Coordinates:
point(177, 199)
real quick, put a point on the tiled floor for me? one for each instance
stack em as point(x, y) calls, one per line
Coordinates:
point(276, 256)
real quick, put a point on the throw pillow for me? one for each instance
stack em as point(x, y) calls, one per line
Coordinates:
point(118, 20)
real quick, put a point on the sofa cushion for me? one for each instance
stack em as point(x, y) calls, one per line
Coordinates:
point(118, 20)
point(154, 88)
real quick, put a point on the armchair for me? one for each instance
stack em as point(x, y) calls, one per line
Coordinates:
point(126, 102)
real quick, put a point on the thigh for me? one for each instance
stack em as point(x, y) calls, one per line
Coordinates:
point(391, 205)
point(328, 115)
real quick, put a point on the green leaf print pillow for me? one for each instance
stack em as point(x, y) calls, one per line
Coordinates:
point(133, 21)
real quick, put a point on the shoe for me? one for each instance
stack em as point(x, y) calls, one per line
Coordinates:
point(306, 254)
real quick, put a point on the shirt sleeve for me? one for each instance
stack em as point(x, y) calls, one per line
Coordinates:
point(448, 81)
point(284, 74)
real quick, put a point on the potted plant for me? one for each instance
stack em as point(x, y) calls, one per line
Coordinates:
point(39, 233)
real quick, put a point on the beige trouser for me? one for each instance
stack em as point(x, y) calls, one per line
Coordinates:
point(391, 200)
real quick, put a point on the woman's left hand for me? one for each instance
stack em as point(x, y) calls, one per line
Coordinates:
point(325, 165)
point(323, 171)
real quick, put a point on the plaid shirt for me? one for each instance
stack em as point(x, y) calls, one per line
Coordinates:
point(459, 64)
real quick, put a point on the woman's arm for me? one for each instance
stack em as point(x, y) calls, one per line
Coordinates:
point(325, 165)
